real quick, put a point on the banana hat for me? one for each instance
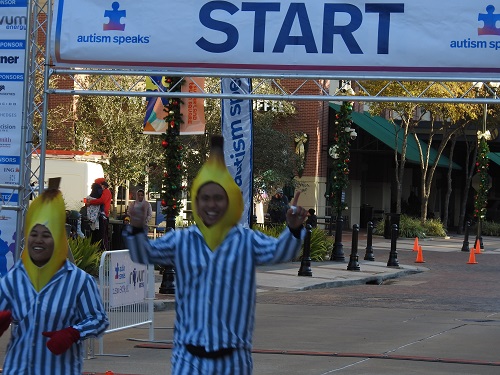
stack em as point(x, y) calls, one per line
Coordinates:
point(215, 170)
point(47, 209)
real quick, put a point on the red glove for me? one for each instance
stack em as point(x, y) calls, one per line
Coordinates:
point(5, 319)
point(60, 341)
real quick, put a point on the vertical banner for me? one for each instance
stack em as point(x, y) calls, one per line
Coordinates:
point(12, 57)
point(238, 139)
point(192, 109)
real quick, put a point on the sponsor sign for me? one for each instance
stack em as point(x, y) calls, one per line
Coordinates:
point(355, 38)
point(12, 57)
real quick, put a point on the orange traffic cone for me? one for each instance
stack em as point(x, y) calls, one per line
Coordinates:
point(472, 256)
point(109, 372)
point(477, 248)
point(420, 256)
point(415, 244)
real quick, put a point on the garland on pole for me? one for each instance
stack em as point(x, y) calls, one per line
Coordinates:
point(339, 151)
point(482, 165)
point(172, 152)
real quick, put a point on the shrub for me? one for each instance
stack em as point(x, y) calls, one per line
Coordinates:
point(434, 227)
point(410, 227)
point(87, 255)
point(321, 243)
point(321, 246)
point(488, 228)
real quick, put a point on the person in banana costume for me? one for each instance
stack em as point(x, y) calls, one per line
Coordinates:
point(215, 262)
point(51, 304)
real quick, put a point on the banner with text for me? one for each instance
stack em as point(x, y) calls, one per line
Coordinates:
point(127, 282)
point(237, 124)
point(12, 57)
point(355, 38)
point(192, 109)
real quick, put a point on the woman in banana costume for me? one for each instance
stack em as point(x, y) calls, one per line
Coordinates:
point(215, 264)
point(50, 304)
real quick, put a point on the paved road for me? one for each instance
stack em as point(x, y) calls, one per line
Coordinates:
point(450, 284)
point(445, 320)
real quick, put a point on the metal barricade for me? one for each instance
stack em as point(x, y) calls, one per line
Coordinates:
point(127, 291)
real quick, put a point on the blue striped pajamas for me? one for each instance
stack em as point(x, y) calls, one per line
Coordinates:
point(215, 291)
point(70, 299)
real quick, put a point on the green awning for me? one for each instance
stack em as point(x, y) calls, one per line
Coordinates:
point(494, 157)
point(385, 131)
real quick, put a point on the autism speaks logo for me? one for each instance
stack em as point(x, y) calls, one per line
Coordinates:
point(115, 17)
point(488, 22)
point(489, 19)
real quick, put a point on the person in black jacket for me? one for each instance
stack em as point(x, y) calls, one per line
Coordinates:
point(278, 205)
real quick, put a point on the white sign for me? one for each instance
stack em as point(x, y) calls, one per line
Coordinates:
point(127, 280)
point(355, 38)
point(238, 139)
point(12, 57)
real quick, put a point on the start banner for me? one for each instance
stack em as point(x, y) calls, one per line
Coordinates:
point(356, 38)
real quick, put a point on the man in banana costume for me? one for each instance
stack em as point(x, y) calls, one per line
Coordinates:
point(51, 304)
point(215, 264)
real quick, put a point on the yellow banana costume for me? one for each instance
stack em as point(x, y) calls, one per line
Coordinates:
point(48, 210)
point(215, 170)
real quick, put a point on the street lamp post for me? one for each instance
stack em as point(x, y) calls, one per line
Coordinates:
point(481, 182)
point(343, 133)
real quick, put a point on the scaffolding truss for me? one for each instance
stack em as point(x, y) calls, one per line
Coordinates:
point(41, 80)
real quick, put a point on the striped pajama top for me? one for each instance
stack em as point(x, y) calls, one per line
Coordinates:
point(70, 299)
point(215, 291)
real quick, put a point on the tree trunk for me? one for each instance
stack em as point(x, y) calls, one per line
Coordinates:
point(469, 171)
point(449, 185)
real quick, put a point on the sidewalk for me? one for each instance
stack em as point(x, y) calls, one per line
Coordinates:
point(329, 274)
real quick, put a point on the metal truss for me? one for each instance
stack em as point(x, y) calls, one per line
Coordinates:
point(292, 87)
point(289, 87)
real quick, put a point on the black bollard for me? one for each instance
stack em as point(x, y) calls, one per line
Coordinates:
point(393, 255)
point(305, 264)
point(479, 236)
point(167, 285)
point(353, 258)
point(338, 253)
point(369, 240)
point(465, 245)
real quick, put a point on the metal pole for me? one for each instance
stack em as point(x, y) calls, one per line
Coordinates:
point(393, 255)
point(353, 258)
point(465, 245)
point(305, 264)
point(167, 285)
point(338, 253)
point(369, 240)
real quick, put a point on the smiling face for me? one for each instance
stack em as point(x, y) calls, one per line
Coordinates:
point(140, 195)
point(40, 245)
point(211, 203)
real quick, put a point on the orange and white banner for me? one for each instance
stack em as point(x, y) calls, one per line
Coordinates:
point(192, 109)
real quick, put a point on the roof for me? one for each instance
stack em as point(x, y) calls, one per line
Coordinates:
point(387, 132)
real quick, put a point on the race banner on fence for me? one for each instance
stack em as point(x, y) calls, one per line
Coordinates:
point(127, 282)
point(355, 38)
point(237, 124)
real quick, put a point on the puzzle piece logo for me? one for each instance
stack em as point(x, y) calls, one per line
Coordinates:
point(489, 19)
point(114, 16)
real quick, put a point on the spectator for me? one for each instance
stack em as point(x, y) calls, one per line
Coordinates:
point(215, 262)
point(278, 205)
point(104, 200)
point(141, 204)
point(52, 304)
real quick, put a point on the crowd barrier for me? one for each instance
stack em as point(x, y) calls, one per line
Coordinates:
point(127, 291)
